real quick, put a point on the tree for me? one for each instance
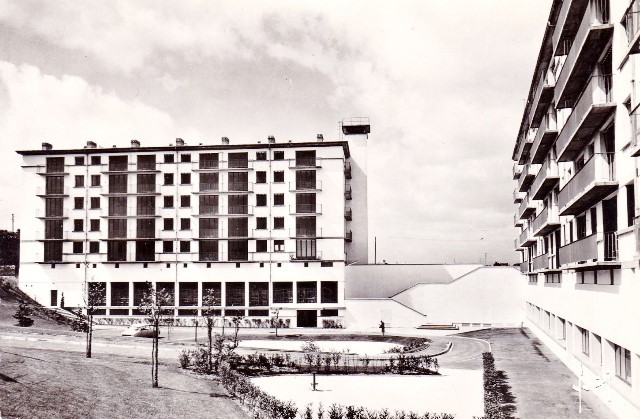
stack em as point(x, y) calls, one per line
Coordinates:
point(275, 319)
point(236, 324)
point(94, 296)
point(209, 301)
point(22, 315)
point(154, 305)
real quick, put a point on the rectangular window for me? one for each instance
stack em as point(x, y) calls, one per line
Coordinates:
point(329, 291)
point(146, 183)
point(54, 185)
point(238, 160)
point(208, 251)
point(623, 363)
point(305, 179)
point(278, 223)
point(278, 245)
point(305, 158)
point(185, 178)
point(214, 291)
point(94, 202)
point(147, 162)
point(208, 161)
point(258, 294)
point(96, 160)
point(585, 341)
point(78, 224)
point(208, 228)
point(185, 246)
point(117, 183)
point(95, 180)
point(594, 220)
point(278, 176)
point(185, 224)
point(167, 224)
point(208, 204)
point(79, 181)
point(146, 228)
point(261, 223)
point(307, 292)
point(117, 206)
point(145, 250)
point(119, 294)
point(306, 249)
point(139, 289)
point(234, 294)
point(261, 245)
point(185, 158)
point(79, 161)
point(631, 205)
point(282, 292)
point(261, 177)
point(168, 179)
point(305, 203)
point(261, 200)
point(305, 226)
point(118, 163)
point(261, 155)
point(169, 288)
point(581, 226)
point(278, 199)
point(116, 250)
point(238, 250)
point(52, 251)
point(188, 294)
point(77, 247)
point(94, 247)
point(53, 229)
point(169, 158)
point(209, 182)
point(117, 229)
point(238, 227)
point(238, 181)
point(167, 246)
point(238, 204)
point(53, 207)
point(168, 201)
point(278, 155)
point(185, 201)
point(55, 164)
point(78, 203)
point(95, 224)
point(146, 205)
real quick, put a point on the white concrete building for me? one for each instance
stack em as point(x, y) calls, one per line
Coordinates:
point(263, 225)
point(577, 170)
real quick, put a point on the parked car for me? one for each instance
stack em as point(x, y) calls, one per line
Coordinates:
point(143, 330)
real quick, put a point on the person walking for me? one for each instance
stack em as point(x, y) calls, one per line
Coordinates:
point(381, 327)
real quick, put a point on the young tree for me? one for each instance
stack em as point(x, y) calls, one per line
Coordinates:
point(154, 305)
point(94, 296)
point(275, 319)
point(236, 323)
point(22, 315)
point(209, 302)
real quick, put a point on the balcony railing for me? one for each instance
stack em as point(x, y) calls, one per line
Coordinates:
point(526, 239)
point(540, 262)
point(610, 246)
point(59, 235)
point(347, 192)
point(305, 163)
point(592, 36)
point(518, 196)
point(347, 170)
point(348, 236)
point(545, 180)
point(631, 23)
point(219, 165)
point(526, 208)
point(305, 209)
point(58, 191)
point(305, 185)
point(592, 108)
point(209, 187)
point(582, 250)
point(347, 214)
point(295, 233)
point(542, 97)
point(527, 176)
point(304, 257)
point(40, 213)
point(547, 221)
point(566, 9)
point(589, 185)
point(517, 171)
point(524, 267)
point(225, 210)
point(517, 222)
point(525, 147)
point(546, 135)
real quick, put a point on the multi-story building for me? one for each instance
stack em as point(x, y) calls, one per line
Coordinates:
point(576, 169)
point(262, 226)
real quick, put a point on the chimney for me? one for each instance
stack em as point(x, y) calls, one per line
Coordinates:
point(179, 142)
point(135, 144)
point(91, 144)
point(271, 139)
point(225, 140)
point(46, 146)
point(320, 138)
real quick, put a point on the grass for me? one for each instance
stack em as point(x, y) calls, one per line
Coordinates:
point(53, 384)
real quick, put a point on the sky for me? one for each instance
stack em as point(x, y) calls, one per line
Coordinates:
point(444, 84)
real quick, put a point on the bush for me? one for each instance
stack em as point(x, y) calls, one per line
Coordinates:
point(331, 324)
point(22, 315)
point(184, 358)
point(498, 400)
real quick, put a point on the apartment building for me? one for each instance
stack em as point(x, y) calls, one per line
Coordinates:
point(576, 170)
point(262, 226)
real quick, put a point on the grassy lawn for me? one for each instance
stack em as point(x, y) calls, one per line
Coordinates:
point(539, 382)
point(37, 383)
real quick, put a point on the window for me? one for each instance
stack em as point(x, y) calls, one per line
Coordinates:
point(305, 158)
point(282, 292)
point(261, 245)
point(305, 179)
point(238, 160)
point(185, 158)
point(145, 228)
point(238, 181)
point(185, 178)
point(208, 161)
point(169, 288)
point(168, 201)
point(94, 225)
point(261, 177)
point(594, 220)
point(329, 291)
point(167, 246)
point(94, 247)
point(78, 225)
point(208, 250)
point(79, 161)
point(146, 183)
point(278, 223)
point(585, 341)
point(305, 203)
point(94, 202)
point(117, 183)
point(306, 249)
point(261, 155)
point(278, 245)
point(53, 229)
point(95, 180)
point(261, 223)
point(234, 293)
point(185, 224)
point(208, 228)
point(238, 204)
point(581, 226)
point(79, 181)
point(120, 294)
point(53, 207)
point(623, 363)
point(146, 205)
point(238, 250)
point(278, 155)
point(168, 178)
point(168, 224)
point(55, 164)
point(185, 201)
point(54, 185)
point(53, 251)
point(147, 162)
point(209, 182)
point(117, 229)
point(145, 250)
point(185, 246)
point(278, 199)
point(278, 176)
point(77, 247)
point(307, 292)
point(208, 204)
point(258, 294)
point(238, 227)
point(118, 163)
point(168, 158)
point(188, 294)
point(305, 226)
point(631, 206)
point(261, 200)
point(95, 160)
point(116, 251)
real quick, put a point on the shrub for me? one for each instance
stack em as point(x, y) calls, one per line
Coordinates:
point(184, 358)
point(331, 324)
point(22, 315)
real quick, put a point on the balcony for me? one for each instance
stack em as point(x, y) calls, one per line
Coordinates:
point(546, 179)
point(525, 148)
point(305, 185)
point(541, 262)
point(348, 236)
point(517, 171)
point(546, 222)
point(518, 196)
point(631, 23)
point(301, 209)
point(526, 178)
point(592, 109)
point(568, 20)
point(219, 165)
point(524, 267)
point(305, 163)
point(526, 239)
point(593, 35)
point(57, 170)
point(527, 207)
point(597, 251)
point(224, 210)
point(40, 213)
point(546, 135)
point(52, 192)
point(347, 214)
point(347, 170)
point(517, 222)
point(347, 192)
point(293, 256)
point(589, 185)
point(304, 233)
point(49, 235)
point(542, 97)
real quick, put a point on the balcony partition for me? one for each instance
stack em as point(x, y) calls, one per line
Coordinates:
point(526, 178)
point(542, 97)
point(589, 185)
point(547, 221)
point(546, 135)
point(631, 23)
point(546, 179)
point(526, 208)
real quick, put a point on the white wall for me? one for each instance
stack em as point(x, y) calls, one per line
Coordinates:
point(366, 313)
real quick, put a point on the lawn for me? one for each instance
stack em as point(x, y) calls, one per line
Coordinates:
point(37, 383)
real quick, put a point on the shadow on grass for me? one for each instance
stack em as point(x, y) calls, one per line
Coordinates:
point(507, 398)
point(7, 378)
point(216, 395)
point(499, 401)
point(535, 343)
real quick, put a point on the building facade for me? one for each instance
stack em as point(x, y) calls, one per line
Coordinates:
point(576, 170)
point(261, 226)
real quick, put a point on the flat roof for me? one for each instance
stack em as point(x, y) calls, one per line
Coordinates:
point(112, 150)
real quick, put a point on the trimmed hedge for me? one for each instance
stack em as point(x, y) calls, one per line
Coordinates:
point(498, 400)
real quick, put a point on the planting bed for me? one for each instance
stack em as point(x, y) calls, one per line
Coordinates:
point(353, 347)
